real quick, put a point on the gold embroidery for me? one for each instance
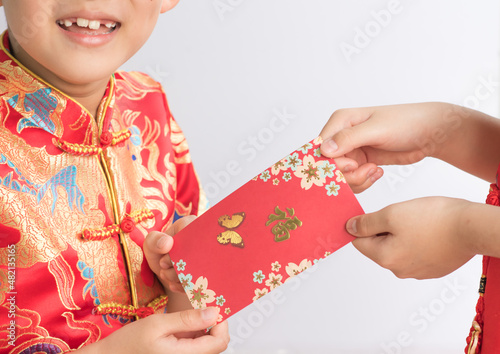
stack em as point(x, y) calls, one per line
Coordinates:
point(148, 137)
point(28, 326)
point(285, 224)
point(135, 86)
point(65, 281)
point(93, 329)
point(179, 143)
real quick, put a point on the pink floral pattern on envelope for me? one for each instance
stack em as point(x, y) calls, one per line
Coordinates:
point(307, 165)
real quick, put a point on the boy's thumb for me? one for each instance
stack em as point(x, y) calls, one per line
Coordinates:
point(158, 243)
point(155, 246)
point(193, 320)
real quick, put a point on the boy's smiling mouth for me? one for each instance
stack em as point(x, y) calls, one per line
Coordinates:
point(88, 27)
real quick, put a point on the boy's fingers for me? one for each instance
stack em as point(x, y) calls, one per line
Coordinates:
point(216, 342)
point(181, 223)
point(172, 285)
point(176, 288)
point(169, 275)
point(220, 332)
point(156, 245)
point(221, 329)
point(166, 262)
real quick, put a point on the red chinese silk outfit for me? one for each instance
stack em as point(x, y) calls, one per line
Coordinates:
point(483, 337)
point(78, 195)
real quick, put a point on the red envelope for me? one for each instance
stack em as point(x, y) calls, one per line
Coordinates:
point(272, 228)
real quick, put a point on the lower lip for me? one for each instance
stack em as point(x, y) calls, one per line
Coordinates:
point(89, 40)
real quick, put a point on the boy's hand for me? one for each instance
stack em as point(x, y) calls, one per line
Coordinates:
point(157, 334)
point(361, 139)
point(157, 245)
point(421, 238)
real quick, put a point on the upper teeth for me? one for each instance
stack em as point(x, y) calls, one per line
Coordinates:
point(83, 22)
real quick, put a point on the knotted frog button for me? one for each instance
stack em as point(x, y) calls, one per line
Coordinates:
point(127, 225)
point(106, 139)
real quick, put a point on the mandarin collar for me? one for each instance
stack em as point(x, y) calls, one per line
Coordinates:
point(33, 103)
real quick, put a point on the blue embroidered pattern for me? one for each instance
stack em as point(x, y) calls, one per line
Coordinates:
point(135, 138)
point(90, 288)
point(65, 178)
point(41, 104)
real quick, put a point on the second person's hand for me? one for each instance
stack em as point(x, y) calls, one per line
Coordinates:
point(362, 139)
point(421, 238)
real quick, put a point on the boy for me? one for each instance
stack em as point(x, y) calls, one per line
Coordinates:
point(90, 163)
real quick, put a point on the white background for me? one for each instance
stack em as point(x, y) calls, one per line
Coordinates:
point(228, 72)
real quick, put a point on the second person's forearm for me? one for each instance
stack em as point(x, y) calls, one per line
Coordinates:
point(471, 141)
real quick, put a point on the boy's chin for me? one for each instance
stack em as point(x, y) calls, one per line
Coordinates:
point(87, 79)
point(75, 75)
point(70, 71)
